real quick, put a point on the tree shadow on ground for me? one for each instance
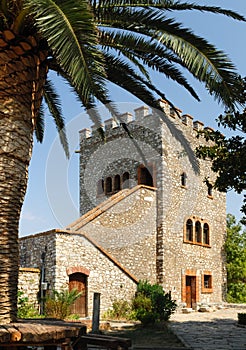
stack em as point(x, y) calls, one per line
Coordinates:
point(159, 336)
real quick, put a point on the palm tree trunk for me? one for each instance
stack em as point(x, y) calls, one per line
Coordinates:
point(15, 151)
point(21, 81)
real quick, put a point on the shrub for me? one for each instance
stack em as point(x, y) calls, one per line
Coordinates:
point(151, 304)
point(25, 309)
point(57, 304)
point(242, 318)
point(121, 310)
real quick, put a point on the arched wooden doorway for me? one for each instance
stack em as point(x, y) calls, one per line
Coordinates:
point(79, 281)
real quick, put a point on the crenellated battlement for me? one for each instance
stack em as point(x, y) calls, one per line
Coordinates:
point(143, 115)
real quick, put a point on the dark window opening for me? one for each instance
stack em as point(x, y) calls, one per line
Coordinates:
point(144, 176)
point(198, 232)
point(100, 187)
point(125, 180)
point(108, 185)
point(117, 183)
point(210, 190)
point(183, 179)
point(189, 230)
point(206, 234)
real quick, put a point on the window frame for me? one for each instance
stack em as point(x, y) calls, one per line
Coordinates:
point(208, 289)
point(195, 239)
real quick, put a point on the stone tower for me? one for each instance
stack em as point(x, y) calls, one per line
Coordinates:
point(158, 152)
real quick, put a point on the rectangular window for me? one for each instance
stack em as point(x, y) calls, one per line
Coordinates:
point(207, 286)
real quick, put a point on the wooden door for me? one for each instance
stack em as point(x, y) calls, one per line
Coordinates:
point(79, 281)
point(190, 291)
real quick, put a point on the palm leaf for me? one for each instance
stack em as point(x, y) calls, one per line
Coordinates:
point(150, 52)
point(202, 59)
point(71, 36)
point(166, 5)
point(54, 105)
point(39, 127)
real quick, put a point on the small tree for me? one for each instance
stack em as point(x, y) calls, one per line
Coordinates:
point(235, 248)
point(57, 304)
point(151, 304)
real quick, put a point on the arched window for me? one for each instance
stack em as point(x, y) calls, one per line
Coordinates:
point(117, 183)
point(125, 180)
point(144, 176)
point(183, 179)
point(205, 233)
point(100, 187)
point(198, 232)
point(108, 185)
point(189, 230)
point(210, 190)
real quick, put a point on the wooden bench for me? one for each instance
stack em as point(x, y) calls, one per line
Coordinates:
point(104, 341)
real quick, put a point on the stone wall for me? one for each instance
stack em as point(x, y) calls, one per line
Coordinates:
point(127, 230)
point(29, 280)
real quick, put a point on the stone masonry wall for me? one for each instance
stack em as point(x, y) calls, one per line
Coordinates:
point(127, 230)
point(105, 276)
point(31, 249)
point(29, 280)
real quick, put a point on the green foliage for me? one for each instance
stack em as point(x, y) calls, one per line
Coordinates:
point(151, 304)
point(25, 309)
point(57, 304)
point(242, 318)
point(235, 248)
point(121, 310)
point(228, 154)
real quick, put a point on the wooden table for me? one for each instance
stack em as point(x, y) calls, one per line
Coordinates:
point(43, 332)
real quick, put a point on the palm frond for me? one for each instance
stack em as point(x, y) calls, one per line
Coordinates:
point(71, 35)
point(39, 127)
point(52, 100)
point(200, 58)
point(151, 54)
point(101, 8)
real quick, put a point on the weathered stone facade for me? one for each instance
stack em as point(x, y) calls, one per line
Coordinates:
point(148, 212)
point(29, 281)
point(67, 253)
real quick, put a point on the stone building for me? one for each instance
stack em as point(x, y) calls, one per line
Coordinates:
point(149, 212)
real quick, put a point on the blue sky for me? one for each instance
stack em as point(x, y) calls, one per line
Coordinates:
point(53, 187)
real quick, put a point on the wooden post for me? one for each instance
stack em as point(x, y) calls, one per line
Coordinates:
point(96, 313)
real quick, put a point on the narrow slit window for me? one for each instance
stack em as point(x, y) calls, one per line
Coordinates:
point(183, 179)
point(189, 230)
point(125, 180)
point(206, 234)
point(198, 232)
point(117, 183)
point(108, 185)
point(100, 187)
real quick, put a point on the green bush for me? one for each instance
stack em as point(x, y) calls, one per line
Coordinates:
point(242, 318)
point(57, 304)
point(25, 309)
point(121, 310)
point(151, 304)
